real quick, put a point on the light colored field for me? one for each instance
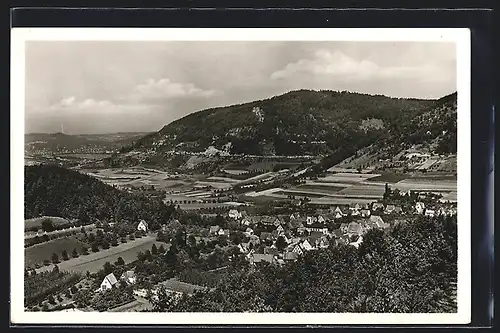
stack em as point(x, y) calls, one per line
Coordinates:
point(340, 201)
point(364, 190)
point(217, 185)
point(93, 262)
point(426, 185)
point(235, 171)
point(452, 197)
point(264, 176)
point(347, 177)
point(224, 179)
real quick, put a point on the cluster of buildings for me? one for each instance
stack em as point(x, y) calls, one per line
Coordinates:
point(302, 233)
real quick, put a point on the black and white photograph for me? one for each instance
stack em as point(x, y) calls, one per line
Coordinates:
point(220, 176)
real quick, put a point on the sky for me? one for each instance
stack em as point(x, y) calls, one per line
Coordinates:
point(115, 86)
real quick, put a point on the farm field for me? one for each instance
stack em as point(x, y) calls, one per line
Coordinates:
point(93, 262)
point(36, 254)
point(136, 177)
point(426, 185)
point(330, 188)
point(364, 190)
point(299, 193)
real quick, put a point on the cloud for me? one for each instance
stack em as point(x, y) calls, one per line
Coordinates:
point(338, 64)
point(88, 106)
point(164, 89)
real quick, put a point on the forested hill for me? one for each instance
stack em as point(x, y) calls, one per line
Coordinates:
point(296, 123)
point(56, 191)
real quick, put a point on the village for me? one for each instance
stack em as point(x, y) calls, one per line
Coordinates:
point(277, 240)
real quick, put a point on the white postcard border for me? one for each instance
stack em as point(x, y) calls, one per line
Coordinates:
point(19, 36)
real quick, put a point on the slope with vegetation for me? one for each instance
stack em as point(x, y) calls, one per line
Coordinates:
point(56, 191)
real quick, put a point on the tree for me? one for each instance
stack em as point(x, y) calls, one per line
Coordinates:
point(387, 192)
point(55, 270)
point(47, 225)
point(74, 289)
point(120, 261)
point(51, 300)
point(95, 247)
point(55, 258)
point(107, 268)
point(85, 251)
point(64, 255)
point(161, 249)
point(74, 254)
point(281, 243)
point(154, 250)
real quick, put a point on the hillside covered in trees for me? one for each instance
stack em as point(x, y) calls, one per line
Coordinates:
point(411, 268)
point(56, 191)
point(298, 122)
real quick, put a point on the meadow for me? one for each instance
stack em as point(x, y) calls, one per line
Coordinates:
point(94, 261)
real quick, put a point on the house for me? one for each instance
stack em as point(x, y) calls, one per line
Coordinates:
point(255, 240)
point(338, 215)
point(389, 209)
point(234, 214)
point(249, 232)
point(244, 247)
point(344, 227)
point(266, 236)
point(354, 228)
point(223, 232)
point(311, 219)
point(129, 277)
point(247, 221)
point(355, 212)
point(398, 210)
point(142, 226)
point(377, 220)
point(324, 243)
point(298, 249)
point(271, 250)
point(319, 227)
point(214, 230)
point(338, 211)
point(174, 286)
point(357, 242)
point(419, 207)
point(280, 229)
point(430, 212)
point(290, 256)
point(258, 258)
point(108, 282)
point(365, 212)
point(355, 206)
point(321, 219)
point(377, 206)
point(307, 246)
